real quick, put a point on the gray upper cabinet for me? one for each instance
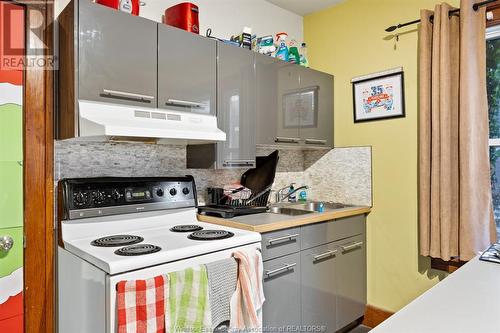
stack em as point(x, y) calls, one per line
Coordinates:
point(186, 71)
point(275, 79)
point(236, 106)
point(117, 56)
point(294, 104)
point(351, 280)
point(267, 99)
point(316, 112)
point(282, 291)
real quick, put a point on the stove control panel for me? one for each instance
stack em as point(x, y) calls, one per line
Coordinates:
point(91, 197)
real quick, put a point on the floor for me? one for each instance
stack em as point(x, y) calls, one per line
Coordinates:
point(360, 329)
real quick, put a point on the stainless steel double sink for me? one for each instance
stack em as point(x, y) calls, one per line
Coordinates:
point(303, 208)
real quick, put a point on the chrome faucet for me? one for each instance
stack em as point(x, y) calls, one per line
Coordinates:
point(279, 194)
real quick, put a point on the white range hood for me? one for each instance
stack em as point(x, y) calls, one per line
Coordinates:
point(113, 121)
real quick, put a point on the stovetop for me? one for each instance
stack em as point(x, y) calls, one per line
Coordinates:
point(142, 231)
point(173, 245)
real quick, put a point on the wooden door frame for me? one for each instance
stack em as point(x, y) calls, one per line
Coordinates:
point(38, 106)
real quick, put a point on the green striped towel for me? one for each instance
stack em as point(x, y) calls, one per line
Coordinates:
point(188, 307)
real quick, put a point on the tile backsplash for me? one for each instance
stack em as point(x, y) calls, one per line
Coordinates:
point(340, 175)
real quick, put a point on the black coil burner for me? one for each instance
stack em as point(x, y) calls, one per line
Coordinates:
point(210, 235)
point(186, 228)
point(137, 250)
point(117, 240)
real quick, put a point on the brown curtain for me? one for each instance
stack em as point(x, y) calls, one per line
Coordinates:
point(455, 209)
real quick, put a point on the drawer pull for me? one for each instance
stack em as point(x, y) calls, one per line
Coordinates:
point(238, 163)
point(315, 142)
point(180, 102)
point(325, 255)
point(127, 95)
point(286, 140)
point(351, 246)
point(280, 270)
point(283, 238)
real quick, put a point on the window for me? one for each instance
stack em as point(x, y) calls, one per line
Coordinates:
point(493, 84)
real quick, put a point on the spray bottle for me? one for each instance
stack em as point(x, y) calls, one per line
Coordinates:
point(282, 52)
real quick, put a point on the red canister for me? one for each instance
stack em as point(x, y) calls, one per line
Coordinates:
point(128, 6)
point(183, 16)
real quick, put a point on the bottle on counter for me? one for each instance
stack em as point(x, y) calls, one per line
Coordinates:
point(292, 197)
point(303, 196)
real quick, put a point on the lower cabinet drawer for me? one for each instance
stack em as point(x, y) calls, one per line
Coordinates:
point(279, 243)
point(281, 310)
point(326, 232)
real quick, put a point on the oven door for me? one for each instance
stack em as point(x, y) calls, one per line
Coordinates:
point(111, 281)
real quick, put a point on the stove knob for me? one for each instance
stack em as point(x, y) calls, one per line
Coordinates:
point(173, 191)
point(80, 198)
point(185, 190)
point(159, 192)
point(115, 195)
point(99, 197)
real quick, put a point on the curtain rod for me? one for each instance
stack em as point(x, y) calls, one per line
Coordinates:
point(476, 6)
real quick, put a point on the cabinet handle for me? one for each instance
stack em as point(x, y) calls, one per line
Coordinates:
point(315, 142)
point(351, 246)
point(180, 102)
point(327, 254)
point(281, 269)
point(283, 238)
point(286, 140)
point(6, 243)
point(238, 163)
point(127, 95)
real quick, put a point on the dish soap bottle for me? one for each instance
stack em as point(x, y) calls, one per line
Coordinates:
point(282, 51)
point(293, 53)
point(303, 55)
point(291, 196)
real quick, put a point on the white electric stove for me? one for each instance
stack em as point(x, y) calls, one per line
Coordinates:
point(116, 229)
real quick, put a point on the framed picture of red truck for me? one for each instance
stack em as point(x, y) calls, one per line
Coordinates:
point(379, 96)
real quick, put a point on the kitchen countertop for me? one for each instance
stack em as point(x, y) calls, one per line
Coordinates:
point(468, 300)
point(265, 222)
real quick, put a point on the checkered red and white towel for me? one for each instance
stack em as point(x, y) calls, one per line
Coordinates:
point(142, 305)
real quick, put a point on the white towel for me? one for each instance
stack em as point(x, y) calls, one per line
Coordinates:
point(247, 300)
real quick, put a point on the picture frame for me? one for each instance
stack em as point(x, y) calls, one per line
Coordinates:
point(379, 96)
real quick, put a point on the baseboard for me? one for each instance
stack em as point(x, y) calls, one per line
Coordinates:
point(374, 316)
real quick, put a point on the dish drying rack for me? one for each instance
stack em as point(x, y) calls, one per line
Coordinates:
point(229, 208)
point(254, 200)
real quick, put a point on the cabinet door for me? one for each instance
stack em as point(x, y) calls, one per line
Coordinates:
point(288, 111)
point(117, 56)
point(351, 280)
point(267, 99)
point(282, 291)
point(318, 288)
point(187, 67)
point(236, 106)
point(316, 111)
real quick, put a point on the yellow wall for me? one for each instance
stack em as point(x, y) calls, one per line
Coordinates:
point(349, 40)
